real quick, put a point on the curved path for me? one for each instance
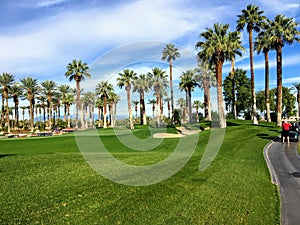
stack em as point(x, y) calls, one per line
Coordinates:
point(284, 163)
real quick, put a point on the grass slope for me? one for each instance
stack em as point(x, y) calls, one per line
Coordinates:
point(47, 181)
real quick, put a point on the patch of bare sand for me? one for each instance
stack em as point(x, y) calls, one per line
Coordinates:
point(183, 132)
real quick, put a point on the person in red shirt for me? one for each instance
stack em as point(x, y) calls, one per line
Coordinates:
point(286, 131)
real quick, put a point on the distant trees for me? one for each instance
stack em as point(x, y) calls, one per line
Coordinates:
point(242, 94)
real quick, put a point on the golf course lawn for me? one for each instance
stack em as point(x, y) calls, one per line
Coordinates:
point(45, 180)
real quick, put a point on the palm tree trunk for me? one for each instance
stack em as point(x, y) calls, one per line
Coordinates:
point(298, 100)
point(222, 119)
point(3, 111)
point(7, 114)
point(31, 112)
point(115, 114)
point(171, 85)
point(104, 110)
point(190, 105)
point(65, 112)
point(267, 91)
point(129, 109)
point(279, 84)
point(234, 113)
point(78, 102)
point(16, 114)
point(68, 111)
point(254, 116)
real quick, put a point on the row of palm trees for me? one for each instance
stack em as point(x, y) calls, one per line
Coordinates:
point(218, 44)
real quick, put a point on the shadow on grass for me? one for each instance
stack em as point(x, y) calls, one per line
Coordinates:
point(266, 136)
point(6, 155)
point(232, 124)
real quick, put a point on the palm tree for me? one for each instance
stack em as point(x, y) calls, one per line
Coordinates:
point(99, 104)
point(89, 102)
point(31, 86)
point(214, 48)
point(16, 92)
point(125, 80)
point(167, 99)
point(152, 102)
point(252, 18)
point(235, 48)
point(197, 104)
point(159, 83)
point(181, 103)
point(205, 78)
point(49, 86)
point(297, 87)
point(103, 89)
point(135, 103)
point(114, 99)
point(23, 114)
point(69, 99)
point(64, 90)
point(282, 30)
point(78, 71)
point(6, 80)
point(142, 85)
point(42, 98)
point(188, 83)
point(170, 53)
point(263, 44)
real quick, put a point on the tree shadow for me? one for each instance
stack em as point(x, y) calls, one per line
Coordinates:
point(267, 136)
point(6, 155)
point(232, 124)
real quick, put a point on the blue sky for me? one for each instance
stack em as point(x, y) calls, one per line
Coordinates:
point(39, 38)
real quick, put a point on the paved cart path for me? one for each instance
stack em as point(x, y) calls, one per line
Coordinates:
point(284, 163)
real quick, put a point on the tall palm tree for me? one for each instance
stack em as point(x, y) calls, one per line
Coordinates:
point(206, 78)
point(197, 104)
point(6, 80)
point(103, 89)
point(235, 48)
point(78, 71)
point(158, 83)
point(170, 53)
point(152, 102)
point(297, 87)
point(16, 92)
point(30, 85)
point(142, 85)
point(283, 30)
point(214, 48)
point(49, 87)
point(263, 44)
point(252, 18)
point(188, 83)
point(124, 80)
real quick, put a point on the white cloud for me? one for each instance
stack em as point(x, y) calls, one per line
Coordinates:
point(48, 3)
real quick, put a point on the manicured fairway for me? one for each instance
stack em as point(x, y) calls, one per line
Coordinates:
point(47, 181)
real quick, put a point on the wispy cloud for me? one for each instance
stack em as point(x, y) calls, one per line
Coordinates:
point(49, 3)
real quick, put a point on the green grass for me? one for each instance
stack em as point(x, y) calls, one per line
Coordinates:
point(47, 181)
